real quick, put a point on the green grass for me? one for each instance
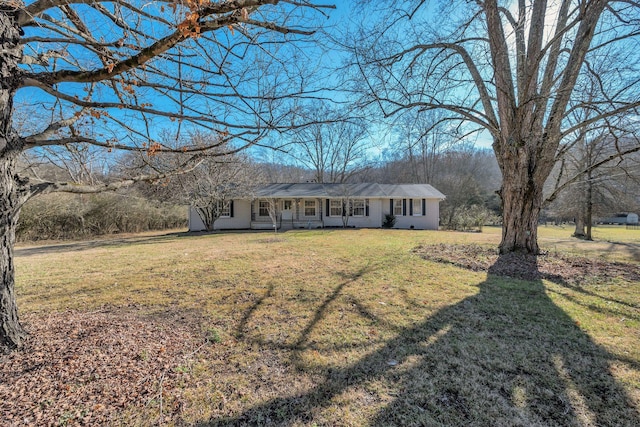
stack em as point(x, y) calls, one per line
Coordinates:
point(350, 327)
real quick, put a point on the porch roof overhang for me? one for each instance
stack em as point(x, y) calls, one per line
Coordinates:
point(363, 190)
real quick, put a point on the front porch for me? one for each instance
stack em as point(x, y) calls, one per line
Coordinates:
point(286, 214)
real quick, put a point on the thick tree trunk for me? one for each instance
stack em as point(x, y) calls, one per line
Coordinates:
point(525, 167)
point(579, 231)
point(581, 203)
point(521, 204)
point(11, 332)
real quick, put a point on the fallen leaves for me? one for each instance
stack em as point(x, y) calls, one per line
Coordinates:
point(562, 267)
point(85, 368)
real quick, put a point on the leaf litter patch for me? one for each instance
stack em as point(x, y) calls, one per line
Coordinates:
point(555, 267)
point(87, 368)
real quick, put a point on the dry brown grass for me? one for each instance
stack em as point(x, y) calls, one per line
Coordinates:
point(334, 327)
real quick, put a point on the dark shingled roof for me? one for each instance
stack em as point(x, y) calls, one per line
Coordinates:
point(372, 190)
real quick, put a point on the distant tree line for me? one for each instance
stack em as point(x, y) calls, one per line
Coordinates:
point(591, 180)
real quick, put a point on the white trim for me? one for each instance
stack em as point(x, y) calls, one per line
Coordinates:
point(363, 207)
point(418, 211)
point(340, 206)
point(304, 208)
point(268, 207)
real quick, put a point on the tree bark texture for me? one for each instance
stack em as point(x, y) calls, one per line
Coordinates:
point(521, 194)
point(579, 220)
point(11, 332)
point(589, 213)
point(530, 111)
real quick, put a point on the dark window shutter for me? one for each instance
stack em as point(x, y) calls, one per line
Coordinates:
point(328, 208)
point(366, 207)
point(231, 208)
point(424, 207)
point(391, 206)
point(411, 207)
point(404, 207)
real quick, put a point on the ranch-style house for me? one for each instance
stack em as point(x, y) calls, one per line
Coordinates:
point(315, 205)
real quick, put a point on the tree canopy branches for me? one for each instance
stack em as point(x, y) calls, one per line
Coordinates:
point(128, 69)
point(92, 77)
point(516, 70)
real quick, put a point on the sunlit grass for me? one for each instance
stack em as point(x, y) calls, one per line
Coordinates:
point(350, 327)
point(612, 242)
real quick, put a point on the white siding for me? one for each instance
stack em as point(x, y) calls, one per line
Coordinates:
point(241, 218)
point(378, 208)
point(195, 222)
point(429, 220)
point(374, 220)
point(432, 215)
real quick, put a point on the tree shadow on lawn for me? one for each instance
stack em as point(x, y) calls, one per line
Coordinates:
point(633, 249)
point(506, 356)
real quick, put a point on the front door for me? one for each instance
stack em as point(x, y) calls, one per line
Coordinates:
point(287, 210)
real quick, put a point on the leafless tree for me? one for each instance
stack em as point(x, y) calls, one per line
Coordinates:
point(274, 213)
point(468, 178)
point(422, 139)
point(593, 179)
point(334, 145)
point(212, 186)
point(112, 73)
point(347, 204)
point(208, 187)
point(595, 160)
point(512, 70)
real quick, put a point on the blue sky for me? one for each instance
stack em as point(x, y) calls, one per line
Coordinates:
point(338, 23)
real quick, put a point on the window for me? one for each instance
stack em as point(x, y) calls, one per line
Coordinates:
point(358, 208)
point(286, 205)
point(263, 208)
point(225, 209)
point(309, 208)
point(417, 207)
point(397, 207)
point(335, 208)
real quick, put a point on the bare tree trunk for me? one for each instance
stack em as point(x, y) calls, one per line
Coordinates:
point(11, 332)
point(521, 195)
point(207, 216)
point(581, 203)
point(580, 221)
point(589, 216)
point(521, 210)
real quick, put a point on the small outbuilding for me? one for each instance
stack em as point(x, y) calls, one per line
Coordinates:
point(317, 205)
point(620, 219)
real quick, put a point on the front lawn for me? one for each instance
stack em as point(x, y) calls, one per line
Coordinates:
point(327, 327)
